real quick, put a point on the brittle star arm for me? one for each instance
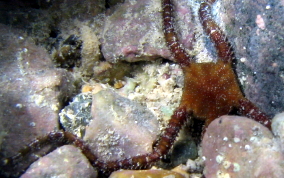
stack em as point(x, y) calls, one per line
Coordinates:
point(145, 161)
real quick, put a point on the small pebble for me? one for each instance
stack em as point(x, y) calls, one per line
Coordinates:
point(145, 174)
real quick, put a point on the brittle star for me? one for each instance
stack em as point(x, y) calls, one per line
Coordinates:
point(210, 91)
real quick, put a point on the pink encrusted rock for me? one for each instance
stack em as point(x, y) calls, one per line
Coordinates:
point(133, 31)
point(236, 146)
point(278, 128)
point(66, 161)
point(120, 127)
point(31, 91)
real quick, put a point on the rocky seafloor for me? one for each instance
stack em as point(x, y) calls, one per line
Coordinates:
point(101, 70)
